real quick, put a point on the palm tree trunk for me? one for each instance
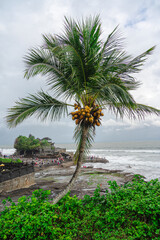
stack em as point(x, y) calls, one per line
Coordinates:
point(78, 166)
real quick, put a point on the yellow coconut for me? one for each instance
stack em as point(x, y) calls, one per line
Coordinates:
point(91, 119)
point(83, 113)
point(101, 114)
point(88, 114)
point(81, 117)
point(77, 121)
point(87, 108)
point(73, 118)
point(98, 124)
point(76, 106)
point(77, 112)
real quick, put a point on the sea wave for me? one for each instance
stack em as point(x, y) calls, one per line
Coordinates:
point(7, 151)
point(154, 151)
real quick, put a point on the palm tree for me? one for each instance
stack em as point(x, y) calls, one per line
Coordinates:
point(96, 75)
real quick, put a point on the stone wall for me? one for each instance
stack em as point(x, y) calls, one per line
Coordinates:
point(12, 170)
point(24, 181)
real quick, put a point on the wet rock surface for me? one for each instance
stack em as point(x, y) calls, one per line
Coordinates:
point(55, 178)
point(96, 160)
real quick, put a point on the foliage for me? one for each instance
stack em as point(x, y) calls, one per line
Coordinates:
point(24, 143)
point(30, 144)
point(44, 143)
point(128, 212)
point(9, 160)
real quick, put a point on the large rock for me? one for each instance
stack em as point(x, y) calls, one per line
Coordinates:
point(96, 160)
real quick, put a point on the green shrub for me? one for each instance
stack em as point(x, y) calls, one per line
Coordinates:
point(8, 160)
point(18, 160)
point(127, 212)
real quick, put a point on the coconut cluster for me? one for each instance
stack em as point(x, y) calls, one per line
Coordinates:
point(88, 115)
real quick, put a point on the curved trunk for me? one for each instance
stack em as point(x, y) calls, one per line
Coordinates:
point(78, 167)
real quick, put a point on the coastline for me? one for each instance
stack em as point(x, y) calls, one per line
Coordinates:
point(135, 157)
point(55, 178)
point(124, 162)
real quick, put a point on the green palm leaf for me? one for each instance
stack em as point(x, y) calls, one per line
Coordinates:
point(42, 105)
point(139, 111)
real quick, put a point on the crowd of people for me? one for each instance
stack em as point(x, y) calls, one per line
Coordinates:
point(41, 162)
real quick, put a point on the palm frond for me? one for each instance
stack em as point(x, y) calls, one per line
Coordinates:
point(50, 42)
point(112, 90)
point(42, 61)
point(115, 63)
point(136, 63)
point(41, 104)
point(82, 43)
point(139, 111)
point(114, 59)
point(60, 76)
point(113, 43)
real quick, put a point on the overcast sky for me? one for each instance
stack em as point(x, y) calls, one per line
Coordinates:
point(22, 23)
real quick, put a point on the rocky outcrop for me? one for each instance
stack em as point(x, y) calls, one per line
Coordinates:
point(94, 159)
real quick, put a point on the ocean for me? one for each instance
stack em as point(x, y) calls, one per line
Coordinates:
point(131, 157)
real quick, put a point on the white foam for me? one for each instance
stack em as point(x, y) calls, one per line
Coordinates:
point(7, 151)
point(127, 150)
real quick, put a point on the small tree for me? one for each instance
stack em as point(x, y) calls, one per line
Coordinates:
point(26, 145)
point(96, 75)
point(33, 144)
point(21, 144)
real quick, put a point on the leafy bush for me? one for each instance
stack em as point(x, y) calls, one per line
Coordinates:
point(29, 145)
point(127, 212)
point(5, 160)
point(8, 160)
point(24, 144)
point(18, 160)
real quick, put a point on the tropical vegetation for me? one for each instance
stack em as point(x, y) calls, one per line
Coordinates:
point(30, 145)
point(82, 69)
point(127, 212)
point(10, 160)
